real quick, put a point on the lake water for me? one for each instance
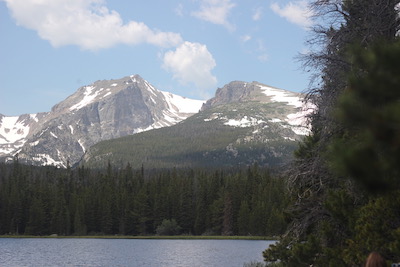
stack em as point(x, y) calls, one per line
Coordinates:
point(23, 252)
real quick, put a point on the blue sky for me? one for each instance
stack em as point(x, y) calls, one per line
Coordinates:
point(50, 48)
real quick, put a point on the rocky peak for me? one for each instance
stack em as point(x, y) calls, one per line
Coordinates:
point(100, 111)
point(235, 91)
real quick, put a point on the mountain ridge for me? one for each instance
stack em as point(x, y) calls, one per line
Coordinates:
point(243, 124)
point(249, 116)
point(102, 110)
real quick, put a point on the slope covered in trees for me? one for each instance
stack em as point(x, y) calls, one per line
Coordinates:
point(46, 200)
point(202, 142)
point(344, 183)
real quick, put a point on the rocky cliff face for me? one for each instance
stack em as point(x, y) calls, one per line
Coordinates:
point(100, 111)
point(235, 91)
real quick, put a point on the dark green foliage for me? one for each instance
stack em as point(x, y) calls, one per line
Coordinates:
point(344, 185)
point(369, 150)
point(37, 218)
point(377, 228)
point(46, 200)
point(169, 227)
point(364, 216)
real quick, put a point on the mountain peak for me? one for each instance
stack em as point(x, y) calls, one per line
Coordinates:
point(239, 91)
point(103, 110)
point(95, 92)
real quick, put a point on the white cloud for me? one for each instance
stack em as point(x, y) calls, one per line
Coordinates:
point(192, 63)
point(296, 12)
point(215, 11)
point(245, 38)
point(257, 14)
point(88, 24)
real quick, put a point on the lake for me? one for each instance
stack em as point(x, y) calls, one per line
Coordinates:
point(23, 252)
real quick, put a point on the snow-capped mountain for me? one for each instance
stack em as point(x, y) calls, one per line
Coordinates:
point(292, 112)
point(244, 123)
point(103, 110)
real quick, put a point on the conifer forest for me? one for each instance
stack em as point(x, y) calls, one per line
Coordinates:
point(46, 200)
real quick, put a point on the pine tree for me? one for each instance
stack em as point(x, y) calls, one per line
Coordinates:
point(370, 110)
point(37, 218)
point(227, 223)
point(329, 160)
point(141, 214)
point(79, 224)
point(243, 218)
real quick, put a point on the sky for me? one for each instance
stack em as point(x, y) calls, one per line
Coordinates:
point(50, 48)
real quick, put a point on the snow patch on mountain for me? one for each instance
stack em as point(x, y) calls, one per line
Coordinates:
point(275, 120)
point(182, 104)
point(179, 108)
point(278, 95)
point(53, 134)
point(13, 132)
point(107, 94)
point(81, 144)
point(298, 120)
point(133, 78)
point(88, 98)
point(46, 159)
point(149, 87)
point(34, 117)
point(32, 144)
point(244, 122)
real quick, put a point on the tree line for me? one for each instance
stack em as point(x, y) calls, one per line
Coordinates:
point(47, 200)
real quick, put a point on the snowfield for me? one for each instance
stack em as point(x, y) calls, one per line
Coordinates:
point(13, 133)
point(244, 122)
point(12, 130)
point(297, 120)
point(183, 104)
point(278, 95)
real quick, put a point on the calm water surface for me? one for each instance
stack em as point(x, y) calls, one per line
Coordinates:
point(129, 252)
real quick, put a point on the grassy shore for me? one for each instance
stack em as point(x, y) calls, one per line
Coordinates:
point(147, 237)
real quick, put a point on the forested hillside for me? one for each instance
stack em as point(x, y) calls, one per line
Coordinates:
point(344, 182)
point(206, 141)
point(47, 200)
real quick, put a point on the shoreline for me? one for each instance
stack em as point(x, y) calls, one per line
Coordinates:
point(189, 237)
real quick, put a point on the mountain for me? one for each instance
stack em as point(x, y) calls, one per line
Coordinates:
point(103, 110)
point(15, 130)
point(244, 123)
